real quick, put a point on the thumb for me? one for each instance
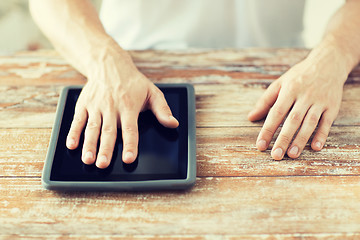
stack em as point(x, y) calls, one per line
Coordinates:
point(160, 108)
point(266, 101)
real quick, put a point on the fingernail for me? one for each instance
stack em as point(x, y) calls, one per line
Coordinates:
point(128, 156)
point(294, 151)
point(277, 153)
point(89, 155)
point(71, 142)
point(172, 118)
point(102, 160)
point(318, 145)
point(261, 144)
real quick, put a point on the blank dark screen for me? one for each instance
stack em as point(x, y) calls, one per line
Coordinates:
point(162, 152)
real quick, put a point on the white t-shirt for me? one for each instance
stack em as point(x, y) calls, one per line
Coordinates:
point(179, 24)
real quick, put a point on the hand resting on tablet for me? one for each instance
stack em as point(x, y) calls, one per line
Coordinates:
point(113, 98)
point(116, 92)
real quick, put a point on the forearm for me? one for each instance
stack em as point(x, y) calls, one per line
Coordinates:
point(341, 39)
point(75, 30)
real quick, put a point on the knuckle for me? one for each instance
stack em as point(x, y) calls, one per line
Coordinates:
point(130, 145)
point(302, 139)
point(90, 142)
point(109, 130)
point(295, 117)
point(126, 101)
point(90, 146)
point(312, 119)
point(309, 94)
point(92, 125)
point(109, 102)
point(268, 132)
point(292, 88)
point(277, 112)
point(285, 139)
point(105, 148)
point(322, 134)
point(78, 120)
point(130, 131)
point(75, 131)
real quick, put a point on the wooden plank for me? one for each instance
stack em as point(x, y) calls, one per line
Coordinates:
point(232, 152)
point(240, 192)
point(25, 107)
point(192, 66)
point(217, 106)
point(47, 65)
point(215, 206)
point(220, 152)
point(119, 236)
point(37, 68)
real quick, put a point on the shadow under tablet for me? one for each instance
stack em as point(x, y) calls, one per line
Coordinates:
point(162, 152)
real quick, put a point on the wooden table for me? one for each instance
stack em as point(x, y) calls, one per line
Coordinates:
point(240, 192)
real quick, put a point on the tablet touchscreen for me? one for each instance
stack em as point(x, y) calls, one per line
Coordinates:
point(162, 154)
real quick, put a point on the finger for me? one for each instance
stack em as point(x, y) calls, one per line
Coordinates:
point(161, 109)
point(77, 126)
point(107, 140)
point(91, 138)
point(307, 128)
point(266, 101)
point(273, 120)
point(130, 135)
point(291, 125)
point(323, 130)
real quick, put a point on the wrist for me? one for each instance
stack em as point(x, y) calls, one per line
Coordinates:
point(108, 55)
point(332, 51)
point(331, 57)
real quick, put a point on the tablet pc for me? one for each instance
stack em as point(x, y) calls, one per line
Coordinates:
point(166, 157)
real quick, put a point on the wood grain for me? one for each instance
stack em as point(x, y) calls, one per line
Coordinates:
point(295, 236)
point(215, 206)
point(220, 152)
point(240, 192)
point(226, 66)
point(216, 106)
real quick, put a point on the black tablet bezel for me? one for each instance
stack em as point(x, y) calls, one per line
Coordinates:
point(187, 182)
